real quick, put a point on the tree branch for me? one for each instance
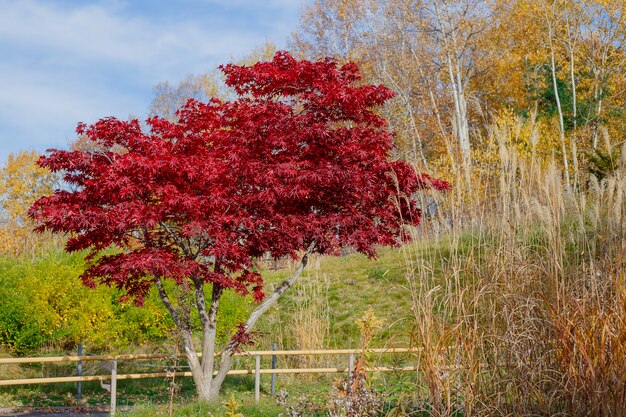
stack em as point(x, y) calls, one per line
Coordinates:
point(209, 323)
point(284, 286)
point(257, 313)
point(184, 328)
point(168, 303)
point(173, 236)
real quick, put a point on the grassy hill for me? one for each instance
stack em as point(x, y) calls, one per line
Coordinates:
point(334, 292)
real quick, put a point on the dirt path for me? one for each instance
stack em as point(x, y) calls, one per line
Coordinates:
point(60, 412)
point(57, 414)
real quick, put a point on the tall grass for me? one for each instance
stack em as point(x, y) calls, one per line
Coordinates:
point(307, 326)
point(525, 312)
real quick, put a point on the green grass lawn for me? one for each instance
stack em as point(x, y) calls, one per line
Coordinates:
point(347, 286)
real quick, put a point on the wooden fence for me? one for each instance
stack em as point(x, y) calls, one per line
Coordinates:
point(113, 377)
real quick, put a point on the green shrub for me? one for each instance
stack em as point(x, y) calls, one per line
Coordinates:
point(44, 304)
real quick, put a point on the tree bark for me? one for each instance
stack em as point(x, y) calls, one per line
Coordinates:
point(571, 46)
point(455, 75)
point(183, 325)
point(209, 331)
point(557, 99)
point(599, 92)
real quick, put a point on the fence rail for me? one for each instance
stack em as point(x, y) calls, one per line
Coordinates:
point(257, 371)
point(52, 359)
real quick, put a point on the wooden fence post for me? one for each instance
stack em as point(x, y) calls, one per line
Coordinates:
point(257, 378)
point(274, 347)
point(113, 387)
point(79, 386)
point(350, 365)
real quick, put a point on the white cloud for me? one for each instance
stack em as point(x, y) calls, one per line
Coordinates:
point(67, 64)
point(38, 114)
point(28, 97)
point(94, 33)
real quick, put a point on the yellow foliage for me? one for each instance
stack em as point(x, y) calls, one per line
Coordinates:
point(22, 181)
point(231, 407)
point(368, 325)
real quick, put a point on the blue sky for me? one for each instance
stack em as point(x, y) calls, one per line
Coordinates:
point(69, 61)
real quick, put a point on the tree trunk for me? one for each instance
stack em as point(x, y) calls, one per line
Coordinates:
point(207, 379)
point(558, 103)
point(599, 93)
point(209, 332)
point(182, 320)
point(571, 45)
point(455, 75)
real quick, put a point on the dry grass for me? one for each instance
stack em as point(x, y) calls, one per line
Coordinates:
point(528, 316)
point(308, 326)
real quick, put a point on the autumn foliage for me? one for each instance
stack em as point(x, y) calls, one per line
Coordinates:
point(299, 160)
point(299, 157)
point(22, 181)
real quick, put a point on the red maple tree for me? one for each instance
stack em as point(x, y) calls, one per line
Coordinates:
point(297, 163)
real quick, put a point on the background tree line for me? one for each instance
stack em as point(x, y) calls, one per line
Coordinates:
point(458, 66)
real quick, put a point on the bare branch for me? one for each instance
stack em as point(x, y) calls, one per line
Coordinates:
point(167, 302)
